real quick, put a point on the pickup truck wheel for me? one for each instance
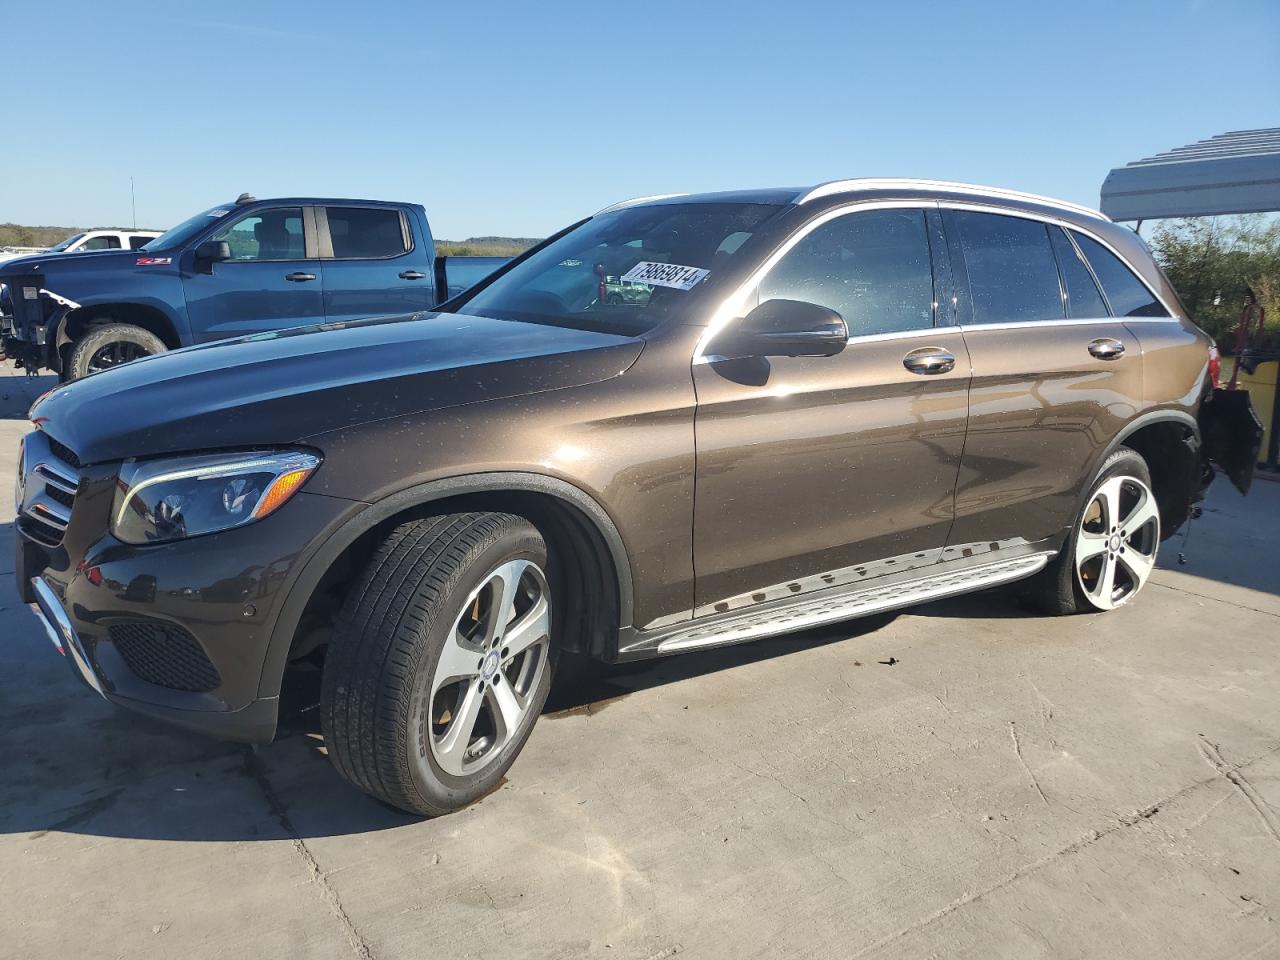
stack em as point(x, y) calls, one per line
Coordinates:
point(109, 345)
point(1111, 549)
point(440, 661)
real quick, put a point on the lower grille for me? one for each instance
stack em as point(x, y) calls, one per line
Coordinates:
point(165, 655)
point(44, 533)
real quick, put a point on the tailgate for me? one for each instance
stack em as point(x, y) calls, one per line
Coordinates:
point(1232, 434)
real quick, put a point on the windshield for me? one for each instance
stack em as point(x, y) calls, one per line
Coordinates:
point(177, 236)
point(66, 243)
point(625, 271)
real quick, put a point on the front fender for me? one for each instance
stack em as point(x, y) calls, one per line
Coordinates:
point(363, 517)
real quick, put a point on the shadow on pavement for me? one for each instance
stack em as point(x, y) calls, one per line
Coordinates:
point(18, 392)
point(76, 764)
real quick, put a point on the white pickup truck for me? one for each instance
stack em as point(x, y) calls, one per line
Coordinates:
point(89, 240)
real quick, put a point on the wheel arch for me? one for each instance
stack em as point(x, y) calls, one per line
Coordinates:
point(581, 535)
point(1169, 441)
point(75, 322)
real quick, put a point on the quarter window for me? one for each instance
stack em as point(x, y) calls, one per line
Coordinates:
point(1129, 296)
point(1083, 298)
point(872, 268)
point(365, 233)
point(268, 235)
point(1013, 276)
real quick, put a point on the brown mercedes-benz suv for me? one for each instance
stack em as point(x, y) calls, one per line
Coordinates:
point(810, 405)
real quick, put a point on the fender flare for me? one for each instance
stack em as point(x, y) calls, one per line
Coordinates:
point(354, 526)
point(1180, 417)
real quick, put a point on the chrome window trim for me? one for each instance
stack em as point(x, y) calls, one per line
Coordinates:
point(1069, 322)
point(834, 187)
point(636, 201)
point(730, 308)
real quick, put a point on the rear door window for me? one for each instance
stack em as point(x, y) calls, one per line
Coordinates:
point(109, 242)
point(1013, 276)
point(366, 233)
point(1083, 298)
point(1128, 296)
point(872, 268)
point(137, 243)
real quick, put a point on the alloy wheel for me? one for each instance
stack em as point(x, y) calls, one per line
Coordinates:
point(483, 684)
point(115, 353)
point(1117, 541)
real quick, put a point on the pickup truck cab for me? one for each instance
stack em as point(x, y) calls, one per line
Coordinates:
point(247, 267)
point(91, 240)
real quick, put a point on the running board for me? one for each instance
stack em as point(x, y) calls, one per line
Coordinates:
point(849, 604)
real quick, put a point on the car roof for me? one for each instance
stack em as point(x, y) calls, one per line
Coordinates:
point(874, 187)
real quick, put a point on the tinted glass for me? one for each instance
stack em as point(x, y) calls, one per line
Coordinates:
point(102, 243)
point(1129, 296)
point(137, 243)
point(1083, 298)
point(871, 268)
point(58, 248)
point(266, 235)
point(1013, 276)
point(365, 233)
point(581, 280)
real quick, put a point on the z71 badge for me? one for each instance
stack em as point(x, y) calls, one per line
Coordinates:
point(154, 261)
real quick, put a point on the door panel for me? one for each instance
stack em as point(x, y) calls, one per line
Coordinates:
point(806, 466)
point(371, 267)
point(1041, 410)
point(252, 292)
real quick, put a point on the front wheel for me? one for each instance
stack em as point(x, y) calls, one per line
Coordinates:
point(1111, 550)
point(110, 345)
point(440, 661)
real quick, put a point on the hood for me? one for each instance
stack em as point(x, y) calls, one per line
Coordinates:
point(41, 262)
point(283, 387)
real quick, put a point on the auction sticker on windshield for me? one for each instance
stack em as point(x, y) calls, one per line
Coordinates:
point(665, 275)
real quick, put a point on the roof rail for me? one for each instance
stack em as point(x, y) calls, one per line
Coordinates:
point(636, 201)
point(833, 187)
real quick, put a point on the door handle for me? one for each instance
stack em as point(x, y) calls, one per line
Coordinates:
point(299, 277)
point(928, 361)
point(1106, 348)
point(411, 275)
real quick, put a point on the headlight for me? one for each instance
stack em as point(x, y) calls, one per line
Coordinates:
point(159, 500)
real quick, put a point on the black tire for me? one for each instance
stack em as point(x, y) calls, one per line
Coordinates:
point(1055, 590)
point(124, 339)
point(374, 703)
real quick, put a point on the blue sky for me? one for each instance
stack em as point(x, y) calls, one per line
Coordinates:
point(516, 118)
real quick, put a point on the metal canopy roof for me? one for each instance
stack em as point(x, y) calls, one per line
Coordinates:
point(1236, 172)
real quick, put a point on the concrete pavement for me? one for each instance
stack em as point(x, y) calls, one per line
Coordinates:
point(1011, 786)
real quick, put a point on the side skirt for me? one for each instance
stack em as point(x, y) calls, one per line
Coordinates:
point(831, 606)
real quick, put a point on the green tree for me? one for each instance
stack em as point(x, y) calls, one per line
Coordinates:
point(1215, 262)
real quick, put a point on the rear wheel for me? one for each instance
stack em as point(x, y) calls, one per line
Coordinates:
point(441, 661)
point(1111, 550)
point(110, 345)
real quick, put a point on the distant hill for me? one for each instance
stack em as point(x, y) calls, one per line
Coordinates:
point(16, 235)
point(485, 246)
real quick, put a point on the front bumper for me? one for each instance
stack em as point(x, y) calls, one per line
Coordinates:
point(117, 611)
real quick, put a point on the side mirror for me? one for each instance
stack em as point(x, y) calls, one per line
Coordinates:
point(783, 328)
point(211, 252)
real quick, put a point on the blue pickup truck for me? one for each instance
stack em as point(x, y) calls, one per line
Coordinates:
point(239, 268)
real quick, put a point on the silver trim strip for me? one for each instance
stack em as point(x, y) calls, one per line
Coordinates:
point(49, 608)
point(55, 478)
point(1072, 322)
point(814, 611)
point(833, 187)
point(47, 512)
point(636, 201)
